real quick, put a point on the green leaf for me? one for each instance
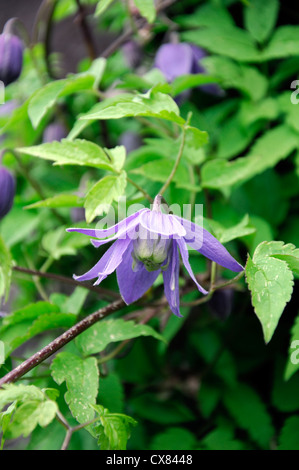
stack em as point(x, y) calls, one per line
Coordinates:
point(114, 429)
point(23, 324)
point(284, 43)
point(77, 152)
point(159, 170)
point(19, 393)
point(102, 6)
point(174, 438)
point(248, 80)
point(5, 270)
point(225, 235)
point(30, 407)
point(151, 104)
point(29, 415)
point(253, 417)
point(260, 18)
point(268, 150)
point(147, 9)
point(45, 98)
point(60, 200)
point(58, 243)
point(185, 82)
point(82, 381)
point(288, 439)
point(111, 393)
point(96, 338)
point(100, 197)
point(271, 284)
point(226, 40)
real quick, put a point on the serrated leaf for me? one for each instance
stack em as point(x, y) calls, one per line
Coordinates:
point(271, 284)
point(5, 270)
point(82, 381)
point(114, 429)
point(45, 98)
point(29, 415)
point(147, 9)
point(96, 338)
point(100, 197)
point(250, 413)
point(151, 104)
point(20, 393)
point(77, 152)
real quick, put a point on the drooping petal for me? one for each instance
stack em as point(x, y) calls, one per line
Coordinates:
point(103, 233)
point(205, 243)
point(123, 232)
point(108, 263)
point(185, 257)
point(164, 224)
point(133, 284)
point(171, 280)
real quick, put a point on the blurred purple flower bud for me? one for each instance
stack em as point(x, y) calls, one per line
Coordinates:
point(8, 107)
point(221, 303)
point(77, 214)
point(7, 191)
point(54, 132)
point(175, 60)
point(132, 53)
point(11, 58)
point(130, 140)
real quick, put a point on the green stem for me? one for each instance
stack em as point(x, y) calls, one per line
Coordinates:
point(178, 158)
point(145, 194)
point(213, 288)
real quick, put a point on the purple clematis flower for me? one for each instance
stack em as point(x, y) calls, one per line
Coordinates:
point(183, 58)
point(147, 243)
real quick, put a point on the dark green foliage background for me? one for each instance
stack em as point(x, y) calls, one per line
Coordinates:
point(215, 384)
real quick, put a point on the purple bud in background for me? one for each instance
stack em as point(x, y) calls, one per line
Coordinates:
point(8, 107)
point(221, 304)
point(132, 53)
point(130, 140)
point(7, 191)
point(54, 132)
point(77, 214)
point(175, 60)
point(11, 58)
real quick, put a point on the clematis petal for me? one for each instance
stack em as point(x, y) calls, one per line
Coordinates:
point(164, 224)
point(133, 284)
point(185, 257)
point(103, 233)
point(171, 280)
point(108, 263)
point(205, 243)
point(123, 232)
